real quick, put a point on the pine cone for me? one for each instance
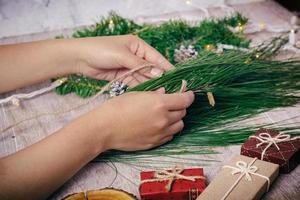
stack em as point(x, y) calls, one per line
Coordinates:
point(184, 53)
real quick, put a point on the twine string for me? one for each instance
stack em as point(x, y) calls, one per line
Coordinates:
point(164, 175)
point(245, 170)
point(17, 97)
point(266, 138)
point(104, 89)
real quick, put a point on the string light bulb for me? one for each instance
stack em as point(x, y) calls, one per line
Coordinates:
point(292, 37)
point(209, 47)
point(262, 25)
point(188, 2)
point(257, 55)
point(241, 28)
point(62, 80)
point(111, 24)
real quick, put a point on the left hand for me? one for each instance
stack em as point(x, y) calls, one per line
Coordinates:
point(109, 57)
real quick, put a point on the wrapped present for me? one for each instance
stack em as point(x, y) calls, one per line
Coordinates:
point(275, 147)
point(175, 184)
point(243, 178)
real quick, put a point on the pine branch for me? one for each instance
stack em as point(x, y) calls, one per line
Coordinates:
point(243, 84)
point(165, 38)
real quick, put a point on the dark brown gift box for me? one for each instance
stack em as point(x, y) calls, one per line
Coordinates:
point(288, 155)
point(244, 189)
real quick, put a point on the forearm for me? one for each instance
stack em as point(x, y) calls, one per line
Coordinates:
point(28, 63)
point(38, 170)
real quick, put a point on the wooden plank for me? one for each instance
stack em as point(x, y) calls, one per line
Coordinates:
point(125, 176)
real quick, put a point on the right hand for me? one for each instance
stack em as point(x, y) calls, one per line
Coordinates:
point(138, 120)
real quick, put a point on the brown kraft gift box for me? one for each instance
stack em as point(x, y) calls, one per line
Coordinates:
point(225, 182)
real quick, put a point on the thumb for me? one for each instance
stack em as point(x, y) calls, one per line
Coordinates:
point(131, 61)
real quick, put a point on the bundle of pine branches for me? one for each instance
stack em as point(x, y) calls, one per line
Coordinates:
point(243, 84)
point(165, 37)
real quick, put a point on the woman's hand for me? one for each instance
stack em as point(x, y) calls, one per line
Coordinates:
point(98, 57)
point(137, 120)
point(109, 57)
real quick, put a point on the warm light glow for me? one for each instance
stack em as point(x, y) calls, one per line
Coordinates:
point(209, 47)
point(262, 25)
point(188, 2)
point(241, 28)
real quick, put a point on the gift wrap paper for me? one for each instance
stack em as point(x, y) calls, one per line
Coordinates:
point(245, 189)
point(181, 189)
point(288, 156)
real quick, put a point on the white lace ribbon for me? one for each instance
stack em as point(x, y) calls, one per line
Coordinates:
point(245, 170)
point(266, 138)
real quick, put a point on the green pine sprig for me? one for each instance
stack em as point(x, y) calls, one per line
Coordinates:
point(244, 84)
point(165, 38)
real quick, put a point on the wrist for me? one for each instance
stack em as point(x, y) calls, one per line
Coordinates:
point(90, 140)
point(68, 57)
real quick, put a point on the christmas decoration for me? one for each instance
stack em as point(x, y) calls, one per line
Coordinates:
point(275, 147)
point(185, 53)
point(117, 88)
point(167, 38)
point(102, 194)
point(178, 183)
point(243, 177)
point(231, 81)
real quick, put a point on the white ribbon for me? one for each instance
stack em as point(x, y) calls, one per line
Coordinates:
point(164, 175)
point(245, 170)
point(266, 138)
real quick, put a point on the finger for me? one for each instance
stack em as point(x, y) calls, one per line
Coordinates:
point(164, 140)
point(161, 90)
point(131, 81)
point(174, 128)
point(175, 116)
point(141, 78)
point(153, 56)
point(178, 101)
point(132, 61)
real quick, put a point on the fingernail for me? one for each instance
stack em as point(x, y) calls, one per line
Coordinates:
point(161, 90)
point(191, 94)
point(156, 72)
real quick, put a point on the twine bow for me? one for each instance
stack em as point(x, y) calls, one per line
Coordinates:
point(266, 138)
point(164, 175)
point(245, 170)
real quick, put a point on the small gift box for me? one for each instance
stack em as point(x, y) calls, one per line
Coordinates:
point(175, 184)
point(243, 178)
point(275, 147)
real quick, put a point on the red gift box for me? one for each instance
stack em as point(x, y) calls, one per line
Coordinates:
point(154, 188)
point(272, 146)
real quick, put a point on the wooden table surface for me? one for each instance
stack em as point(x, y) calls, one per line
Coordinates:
point(125, 175)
